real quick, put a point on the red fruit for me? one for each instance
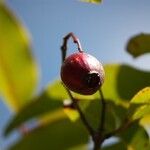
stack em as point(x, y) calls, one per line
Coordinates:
point(82, 73)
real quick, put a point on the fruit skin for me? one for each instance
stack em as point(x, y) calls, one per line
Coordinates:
point(82, 73)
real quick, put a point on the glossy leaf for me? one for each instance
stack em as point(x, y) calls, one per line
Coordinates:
point(139, 45)
point(60, 134)
point(92, 1)
point(140, 104)
point(18, 69)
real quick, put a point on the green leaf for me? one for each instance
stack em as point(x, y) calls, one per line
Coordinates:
point(140, 104)
point(136, 138)
point(92, 1)
point(142, 97)
point(62, 94)
point(60, 134)
point(139, 45)
point(18, 69)
point(122, 82)
point(118, 77)
point(116, 80)
point(114, 114)
point(117, 146)
point(79, 147)
point(40, 106)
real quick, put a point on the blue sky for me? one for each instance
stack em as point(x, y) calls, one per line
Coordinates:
point(103, 31)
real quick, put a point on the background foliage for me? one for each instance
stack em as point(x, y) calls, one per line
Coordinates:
point(126, 90)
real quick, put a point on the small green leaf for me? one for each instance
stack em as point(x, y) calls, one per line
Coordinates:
point(140, 104)
point(139, 45)
point(92, 1)
point(18, 69)
point(61, 134)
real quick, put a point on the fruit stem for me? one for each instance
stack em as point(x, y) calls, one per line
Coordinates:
point(99, 134)
point(65, 41)
point(82, 116)
point(102, 119)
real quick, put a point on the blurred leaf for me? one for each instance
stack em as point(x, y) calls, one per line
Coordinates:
point(116, 80)
point(61, 134)
point(140, 104)
point(18, 69)
point(42, 105)
point(62, 94)
point(113, 115)
point(57, 86)
point(122, 82)
point(136, 138)
point(142, 97)
point(117, 146)
point(145, 121)
point(92, 1)
point(118, 77)
point(92, 109)
point(72, 114)
point(80, 147)
point(139, 44)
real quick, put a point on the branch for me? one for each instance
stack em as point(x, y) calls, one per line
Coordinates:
point(64, 45)
point(125, 124)
point(102, 119)
point(83, 119)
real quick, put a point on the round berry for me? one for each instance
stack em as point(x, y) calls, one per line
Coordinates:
point(82, 73)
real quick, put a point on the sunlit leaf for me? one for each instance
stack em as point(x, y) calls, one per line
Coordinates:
point(142, 97)
point(139, 44)
point(118, 77)
point(140, 104)
point(123, 82)
point(61, 134)
point(92, 1)
point(145, 121)
point(61, 92)
point(18, 69)
point(71, 113)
